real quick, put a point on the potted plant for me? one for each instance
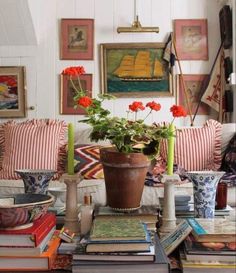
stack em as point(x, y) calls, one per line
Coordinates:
point(134, 143)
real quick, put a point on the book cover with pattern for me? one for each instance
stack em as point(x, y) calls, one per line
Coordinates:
point(118, 230)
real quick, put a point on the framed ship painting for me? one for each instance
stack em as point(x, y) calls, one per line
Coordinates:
point(12, 92)
point(134, 70)
point(194, 86)
point(68, 92)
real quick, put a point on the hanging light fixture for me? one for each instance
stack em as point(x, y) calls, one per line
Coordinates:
point(136, 25)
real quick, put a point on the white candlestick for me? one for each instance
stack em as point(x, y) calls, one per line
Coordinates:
point(71, 217)
point(168, 218)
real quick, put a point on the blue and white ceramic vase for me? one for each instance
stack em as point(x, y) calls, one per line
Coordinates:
point(204, 192)
point(36, 181)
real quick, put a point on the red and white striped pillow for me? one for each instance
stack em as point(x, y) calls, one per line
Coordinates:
point(33, 144)
point(196, 148)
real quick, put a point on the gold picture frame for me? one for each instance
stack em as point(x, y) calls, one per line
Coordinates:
point(12, 92)
point(117, 59)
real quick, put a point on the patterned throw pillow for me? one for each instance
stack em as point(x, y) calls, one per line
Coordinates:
point(33, 144)
point(87, 161)
point(196, 148)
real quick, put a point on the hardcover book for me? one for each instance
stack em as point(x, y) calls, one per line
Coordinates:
point(28, 237)
point(81, 254)
point(213, 230)
point(209, 248)
point(41, 262)
point(27, 251)
point(118, 230)
point(173, 239)
point(204, 265)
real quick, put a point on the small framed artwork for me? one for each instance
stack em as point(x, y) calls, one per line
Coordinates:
point(77, 38)
point(191, 39)
point(68, 92)
point(134, 70)
point(194, 87)
point(12, 92)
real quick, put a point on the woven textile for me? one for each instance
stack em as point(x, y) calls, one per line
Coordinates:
point(87, 161)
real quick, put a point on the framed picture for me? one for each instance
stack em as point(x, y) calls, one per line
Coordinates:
point(191, 39)
point(77, 36)
point(134, 70)
point(68, 93)
point(12, 92)
point(194, 86)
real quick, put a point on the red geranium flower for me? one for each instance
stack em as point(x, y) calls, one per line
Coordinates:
point(153, 105)
point(84, 101)
point(178, 111)
point(74, 71)
point(136, 106)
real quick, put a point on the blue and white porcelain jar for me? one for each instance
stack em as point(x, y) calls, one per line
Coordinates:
point(36, 181)
point(204, 192)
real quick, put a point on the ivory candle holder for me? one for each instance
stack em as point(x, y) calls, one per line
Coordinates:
point(168, 218)
point(71, 216)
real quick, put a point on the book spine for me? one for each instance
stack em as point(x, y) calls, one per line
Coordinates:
point(197, 228)
point(40, 233)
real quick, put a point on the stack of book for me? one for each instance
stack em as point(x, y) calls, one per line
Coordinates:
point(32, 248)
point(211, 246)
point(146, 214)
point(182, 203)
point(219, 213)
point(120, 245)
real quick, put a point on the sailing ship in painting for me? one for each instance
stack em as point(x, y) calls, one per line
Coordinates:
point(139, 68)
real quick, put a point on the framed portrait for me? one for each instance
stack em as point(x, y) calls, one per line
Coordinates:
point(194, 87)
point(12, 92)
point(134, 70)
point(77, 38)
point(68, 92)
point(191, 39)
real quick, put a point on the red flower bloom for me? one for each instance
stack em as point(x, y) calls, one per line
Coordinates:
point(153, 105)
point(84, 101)
point(136, 105)
point(74, 71)
point(178, 111)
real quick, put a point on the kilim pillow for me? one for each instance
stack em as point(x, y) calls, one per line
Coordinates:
point(87, 161)
point(197, 148)
point(33, 144)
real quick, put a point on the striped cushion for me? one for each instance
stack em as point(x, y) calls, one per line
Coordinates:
point(197, 148)
point(87, 161)
point(33, 144)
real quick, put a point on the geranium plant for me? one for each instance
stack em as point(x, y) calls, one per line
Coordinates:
point(130, 134)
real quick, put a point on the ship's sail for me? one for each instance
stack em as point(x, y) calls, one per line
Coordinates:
point(158, 69)
point(126, 68)
point(139, 67)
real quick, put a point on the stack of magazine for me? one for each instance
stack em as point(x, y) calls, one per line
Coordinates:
point(120, 245)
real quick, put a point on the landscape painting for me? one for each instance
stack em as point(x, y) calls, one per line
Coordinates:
point(134, 70)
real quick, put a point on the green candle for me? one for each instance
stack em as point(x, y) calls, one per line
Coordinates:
point(70, 159)
point(170, 157)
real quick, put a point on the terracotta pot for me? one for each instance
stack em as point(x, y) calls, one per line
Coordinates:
point(124, 178)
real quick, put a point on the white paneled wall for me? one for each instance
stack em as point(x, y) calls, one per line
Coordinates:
point(43, 64)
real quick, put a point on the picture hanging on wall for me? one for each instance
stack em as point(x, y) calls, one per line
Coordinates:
point(194, 87)
point(191, 39)
point(12, 92)
point(68, 92)
point(77, 38)
point(134, 70)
